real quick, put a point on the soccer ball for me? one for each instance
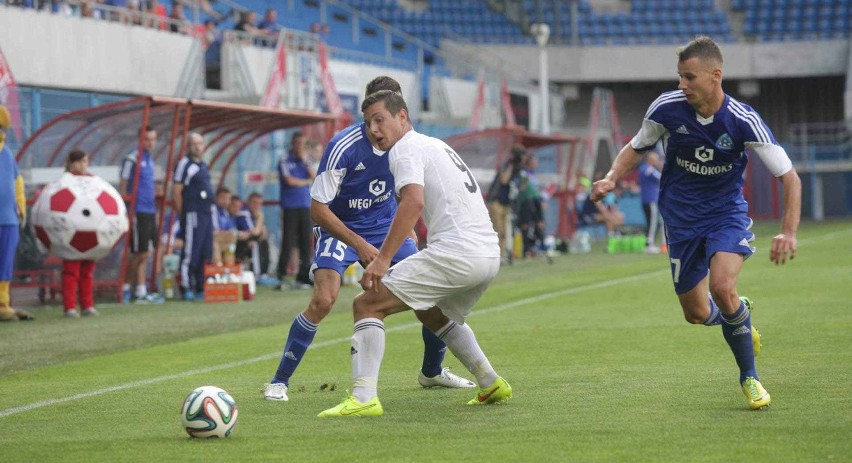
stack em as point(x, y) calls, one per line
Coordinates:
point(79, 217)
point(209, 412)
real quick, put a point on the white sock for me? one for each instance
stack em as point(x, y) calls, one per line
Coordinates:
point(141, 290)
point(368, 348)
point(462, 343)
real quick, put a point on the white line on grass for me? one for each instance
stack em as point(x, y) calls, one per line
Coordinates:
point(316, 345)
point(330, 342)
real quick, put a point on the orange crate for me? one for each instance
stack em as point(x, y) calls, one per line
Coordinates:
point(222, 292)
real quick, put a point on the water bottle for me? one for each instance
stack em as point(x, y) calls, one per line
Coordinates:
point(585, 242)
point(168, 286)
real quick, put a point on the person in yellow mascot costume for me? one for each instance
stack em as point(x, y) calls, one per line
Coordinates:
point(13, 215)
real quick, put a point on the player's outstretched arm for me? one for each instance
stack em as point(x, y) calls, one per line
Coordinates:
point(628, 158)
point(784, 244)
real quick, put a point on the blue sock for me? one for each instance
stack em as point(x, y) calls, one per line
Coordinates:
point(433, 353)
point(737, 331)
point(715, 317)
point(301, 335)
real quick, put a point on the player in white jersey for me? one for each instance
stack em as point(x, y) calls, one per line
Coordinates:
point(706, 135)
point(353, 206)
point(442, 282)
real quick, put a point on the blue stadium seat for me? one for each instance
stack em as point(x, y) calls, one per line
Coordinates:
point(694, 16)
point(793, 25)
point(841, 23)
point(666, 30)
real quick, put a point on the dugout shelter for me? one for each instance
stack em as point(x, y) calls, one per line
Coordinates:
point(110, 131)
point(485, 150)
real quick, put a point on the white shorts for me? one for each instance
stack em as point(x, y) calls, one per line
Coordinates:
point(434, 279)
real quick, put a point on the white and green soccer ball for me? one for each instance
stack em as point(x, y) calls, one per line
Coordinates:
point(209, 411)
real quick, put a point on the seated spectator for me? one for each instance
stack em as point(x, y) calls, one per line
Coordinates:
point(255, 206)
point(87, 11)
point(134, 13)
point(269, 28)
point(252, 238)
point(158, 10)
point(246, 24)
point(605, 212)
point(224, 229)
point(179, 23)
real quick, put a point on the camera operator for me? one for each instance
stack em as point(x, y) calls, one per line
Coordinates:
point(530, 212)
point(500, 195)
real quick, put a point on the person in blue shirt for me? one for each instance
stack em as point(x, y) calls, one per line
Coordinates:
point(649, 188)
point(295, 176)
point(193, 200)
point(352, 201)
point(143, 230)
point(252, 235)
point(224, 229)
point(269, 27)
point(707, 136)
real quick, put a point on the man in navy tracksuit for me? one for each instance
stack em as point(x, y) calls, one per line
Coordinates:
point(193, 198)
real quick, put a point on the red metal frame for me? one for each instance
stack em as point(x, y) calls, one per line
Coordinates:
point(508, 136)
point(231, 125)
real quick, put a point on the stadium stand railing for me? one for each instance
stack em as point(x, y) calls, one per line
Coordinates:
point(820, 147)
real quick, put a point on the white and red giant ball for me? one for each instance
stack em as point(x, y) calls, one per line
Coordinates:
point(79, 217)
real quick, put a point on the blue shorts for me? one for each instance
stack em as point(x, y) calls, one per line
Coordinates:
point(690, 249)
point(336, 255)
point(9, 237)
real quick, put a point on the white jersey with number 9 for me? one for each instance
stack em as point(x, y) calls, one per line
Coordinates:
point(454, 212)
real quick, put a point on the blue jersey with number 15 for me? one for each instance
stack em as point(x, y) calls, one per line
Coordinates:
point(354, 179)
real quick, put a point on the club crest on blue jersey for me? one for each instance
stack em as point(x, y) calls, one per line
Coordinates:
point(724, 142)
point(704, 154)
point(377, 187)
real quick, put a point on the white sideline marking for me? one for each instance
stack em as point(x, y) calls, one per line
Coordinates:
point(318, 345)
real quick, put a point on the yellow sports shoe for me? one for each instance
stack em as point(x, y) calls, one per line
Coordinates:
point(756, 395)
point(755, 335)
point(351, 407)
point(498, 392)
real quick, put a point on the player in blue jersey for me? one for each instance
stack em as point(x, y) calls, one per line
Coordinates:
point(143, 233)
point(193, 199)
point(353, 203)
point(707, 136)
point(649, 186)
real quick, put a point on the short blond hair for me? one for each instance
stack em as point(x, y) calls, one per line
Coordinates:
point(701, 47)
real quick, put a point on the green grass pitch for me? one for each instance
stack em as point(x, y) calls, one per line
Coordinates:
point(602, 364)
